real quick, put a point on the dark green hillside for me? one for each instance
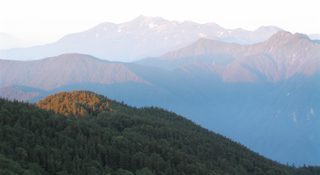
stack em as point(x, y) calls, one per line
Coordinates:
point(91, 134)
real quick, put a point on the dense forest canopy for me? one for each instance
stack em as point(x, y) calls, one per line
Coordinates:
point(84, 133)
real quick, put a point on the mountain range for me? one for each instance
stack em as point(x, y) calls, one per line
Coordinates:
point(143, 36)
point(280, 57)
point(264, 95)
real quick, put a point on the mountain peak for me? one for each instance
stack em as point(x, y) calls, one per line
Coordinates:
point(74, 57)
point(188, 22)
point(202, 46)
point(301, 36)
point(282, 34)
point(142, 19)
point(214, 25)
point(268, 28)
point(65, 70)
point(282, 37)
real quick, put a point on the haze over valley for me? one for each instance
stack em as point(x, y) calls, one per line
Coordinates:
point(159, 87)
point(259, 88)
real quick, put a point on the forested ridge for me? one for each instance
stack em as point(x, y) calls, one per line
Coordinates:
point(84, 133)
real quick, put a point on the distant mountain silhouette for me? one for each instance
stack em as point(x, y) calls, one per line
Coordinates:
point(280, 57)
point(64, 70)
point(136, 39)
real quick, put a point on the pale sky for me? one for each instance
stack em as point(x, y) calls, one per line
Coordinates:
point(44, 21)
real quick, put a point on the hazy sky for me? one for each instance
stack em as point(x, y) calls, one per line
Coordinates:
point(44, 21)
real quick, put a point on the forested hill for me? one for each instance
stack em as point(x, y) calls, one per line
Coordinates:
point(84, 133)
point(76, 103)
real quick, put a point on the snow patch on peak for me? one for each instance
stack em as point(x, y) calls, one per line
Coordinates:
point(151, 25)
point(120, 28)
point(202, 35)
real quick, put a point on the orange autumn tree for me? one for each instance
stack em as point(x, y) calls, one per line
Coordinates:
point(76, 103)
